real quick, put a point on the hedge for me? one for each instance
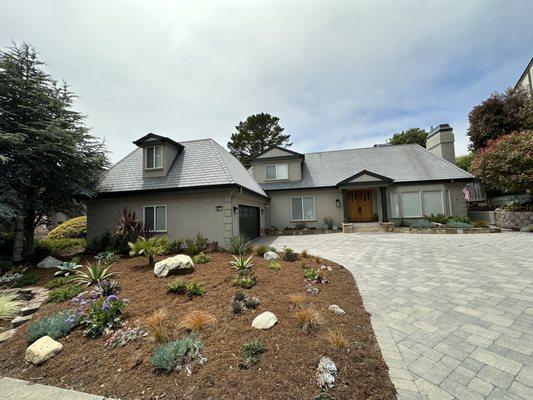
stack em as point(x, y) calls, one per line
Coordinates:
point(73, 228)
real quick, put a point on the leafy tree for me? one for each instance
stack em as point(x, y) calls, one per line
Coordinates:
point(412, 135)
point(506, 163)
point(48, 158)
point(465, 162)
point(255, 135)
point(500, 114)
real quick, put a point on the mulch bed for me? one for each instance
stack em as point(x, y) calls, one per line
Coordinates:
point(286, 370)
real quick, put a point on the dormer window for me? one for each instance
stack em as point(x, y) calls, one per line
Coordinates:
point(154, 157)
point(277, 171)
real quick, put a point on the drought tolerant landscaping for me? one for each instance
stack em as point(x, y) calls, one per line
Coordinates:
point(190, 335)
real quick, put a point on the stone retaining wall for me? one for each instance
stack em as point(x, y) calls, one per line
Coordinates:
point(513, 219)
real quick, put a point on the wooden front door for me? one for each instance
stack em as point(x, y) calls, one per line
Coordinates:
point(360, 205)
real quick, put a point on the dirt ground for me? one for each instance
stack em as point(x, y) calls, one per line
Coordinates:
point(286, 370)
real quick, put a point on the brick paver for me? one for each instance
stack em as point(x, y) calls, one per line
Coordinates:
point(453, 314)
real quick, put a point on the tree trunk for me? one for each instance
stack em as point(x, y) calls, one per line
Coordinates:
point(18, 241)
point(29, 233)
point(151, 261)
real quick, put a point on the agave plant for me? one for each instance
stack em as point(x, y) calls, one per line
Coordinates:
point(106, 257)
point(10, 305)
point(67, 268)
point(242, 264)
point(238, 245)
point(95, 273)
point(149, 248)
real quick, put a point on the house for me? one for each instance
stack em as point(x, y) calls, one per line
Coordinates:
point(181, 188)
point(526, 79)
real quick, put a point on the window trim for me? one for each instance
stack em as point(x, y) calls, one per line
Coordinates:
point(419, 204)
point(154, 207)
point(276, 178)
point(154, 168)
point(441, 200)
point(303, 214)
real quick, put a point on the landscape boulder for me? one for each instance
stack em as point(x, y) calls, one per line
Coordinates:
point(42, 349)
point(173, 265)
point(265, 320)
point(270, 255)
point(50, 262)
point(335, 309)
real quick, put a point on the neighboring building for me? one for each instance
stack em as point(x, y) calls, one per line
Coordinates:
point(181, 188)
point(526, 79)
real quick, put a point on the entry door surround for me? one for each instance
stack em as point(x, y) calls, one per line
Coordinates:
point(360, 208)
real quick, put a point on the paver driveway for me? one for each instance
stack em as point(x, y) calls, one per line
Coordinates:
point(453, 313)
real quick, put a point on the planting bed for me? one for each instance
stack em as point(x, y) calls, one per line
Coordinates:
point(286, 370)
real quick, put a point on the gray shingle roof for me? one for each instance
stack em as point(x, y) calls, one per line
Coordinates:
point(200, 163)
point(403, 163)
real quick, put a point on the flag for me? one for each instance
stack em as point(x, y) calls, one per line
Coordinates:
point(466, 191)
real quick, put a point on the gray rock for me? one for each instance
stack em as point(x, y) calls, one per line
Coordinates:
point(335, 309)
point(18, 321)
point(270, 255)
point(50, 262)
point(42, 349)
point(29, 309)
point(173, 265)
point(265, 320)
point(7, 334)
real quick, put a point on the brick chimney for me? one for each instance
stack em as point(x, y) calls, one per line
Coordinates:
point(440, 142)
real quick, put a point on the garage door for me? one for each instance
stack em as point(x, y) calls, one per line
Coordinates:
point(249, 221)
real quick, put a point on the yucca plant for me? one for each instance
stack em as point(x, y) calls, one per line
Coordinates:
point(10, 304)
point(238, 245)
point(242, 264)
point(149, 248)
point(95, 273)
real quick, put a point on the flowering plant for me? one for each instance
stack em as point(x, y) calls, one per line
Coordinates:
point(98, 314)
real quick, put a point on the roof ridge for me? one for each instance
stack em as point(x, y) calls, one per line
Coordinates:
point(225, 166)
point(362, 148)
point(446, 161)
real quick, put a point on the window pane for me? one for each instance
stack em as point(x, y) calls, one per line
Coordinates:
point(282, 171)
point(297, 214)
point(271, 172)
point(309, 208)
point(149, 157)
point(160, 218)
point(149, 218)
point(432, 202)
point(158, 157)
point(395, 205)
point(411, 204)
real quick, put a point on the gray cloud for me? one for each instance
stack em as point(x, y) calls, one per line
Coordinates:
point(337, 73)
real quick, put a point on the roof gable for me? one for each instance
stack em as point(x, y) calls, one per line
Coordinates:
point(152, 138)
point(365, 176)
point(277, 151)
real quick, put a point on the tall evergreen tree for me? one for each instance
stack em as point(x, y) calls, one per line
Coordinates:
point(255, 135)
point(412, 135)
point(48, 159)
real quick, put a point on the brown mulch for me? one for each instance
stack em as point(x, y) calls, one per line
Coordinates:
point(286, 370)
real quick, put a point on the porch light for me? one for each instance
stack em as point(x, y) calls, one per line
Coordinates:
point(235, 209)
point(219, 208)
point(337, 202)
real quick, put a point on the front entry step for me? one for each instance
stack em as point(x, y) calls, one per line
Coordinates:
point(363, 227)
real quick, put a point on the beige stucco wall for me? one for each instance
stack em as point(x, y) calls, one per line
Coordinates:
point(169, 152)
point(280, 214)
point(187, 212)
point(259, 170)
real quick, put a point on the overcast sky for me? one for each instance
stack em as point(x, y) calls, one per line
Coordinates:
point(338, 74)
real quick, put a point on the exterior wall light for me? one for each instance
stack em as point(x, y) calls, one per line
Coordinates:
point(235, 209)
point(219, 208)
point(337, 202)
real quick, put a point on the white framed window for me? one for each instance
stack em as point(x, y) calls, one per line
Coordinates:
point(303, 209)
point(394, 205)
point(155, 218)
point(432, 202)
point(154, 157)
point(411, 204)
point(277, 171)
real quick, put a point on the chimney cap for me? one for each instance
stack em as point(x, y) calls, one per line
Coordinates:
point(440, 128)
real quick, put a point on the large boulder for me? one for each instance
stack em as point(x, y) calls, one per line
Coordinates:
point(50, 262)
point(173, 265)
point(42, 349)
point(270, 255)
point(265, 320)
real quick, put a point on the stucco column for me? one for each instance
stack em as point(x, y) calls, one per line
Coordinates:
point(385, 215)
point(345, 205)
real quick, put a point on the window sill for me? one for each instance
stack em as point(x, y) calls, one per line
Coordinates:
point(153, 169)
point(303, 220)
point(277, 180)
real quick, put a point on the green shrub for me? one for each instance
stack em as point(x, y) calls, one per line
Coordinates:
point(480, 224)
point(178, 286)
point(196, 245)
point(59, 282)
point(149, 248)
point(242, 264)
point(459, 225)
point(328, 222)
point(73, 228)
point(311, 274)
point(274, 265)
point(56, 325)
point(170, 355)
point(201, 258)
point(6, 243)
point(174, 247)
point(103, 314)
point(251, 353)
point(100, 243)
point(10, 304)
point(457, 218)
point(290, 255)
point(5, 266)
point(238, 245)
point(26, 280)
point(64, 293)
point(194, 289)
point(437, 218)
point(261, 250)
point(402, 224)
point(422, 224)
point(244, 281)
point(107, 257)
point(58, 247)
